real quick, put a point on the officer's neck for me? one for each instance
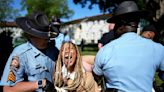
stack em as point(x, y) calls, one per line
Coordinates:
point(39, 43)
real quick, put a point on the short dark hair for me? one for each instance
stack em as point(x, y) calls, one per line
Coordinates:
point(150, 28)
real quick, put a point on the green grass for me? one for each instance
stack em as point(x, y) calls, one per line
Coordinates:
point(89, 52)
point(89, 49)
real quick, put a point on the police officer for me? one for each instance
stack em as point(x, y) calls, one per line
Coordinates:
point(62, 37)
point(30, 65)
point(149, 32)
point(107, 37)
point(129, 62)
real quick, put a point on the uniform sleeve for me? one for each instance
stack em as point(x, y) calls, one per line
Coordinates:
point(13, 71)
point(97, 67)
point(6, 72)
point(103, 56)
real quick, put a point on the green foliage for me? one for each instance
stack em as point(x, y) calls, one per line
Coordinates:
point(158, 80)
point(7, 12)
point(58, 8)
point(18, 41)
point(141, 4)
point(104, 5)
point(107, 5)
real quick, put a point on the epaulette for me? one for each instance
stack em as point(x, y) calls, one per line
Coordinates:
point(21, 49)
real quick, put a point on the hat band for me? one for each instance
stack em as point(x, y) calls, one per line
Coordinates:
point(36, 32)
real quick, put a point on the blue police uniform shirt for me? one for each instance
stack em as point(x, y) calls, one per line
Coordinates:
point(59, 40)
point(67, 38)
point(32, 63)
point(129, 63)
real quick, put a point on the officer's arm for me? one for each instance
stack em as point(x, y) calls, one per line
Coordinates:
point(46, 86)
point(22, 87)
point(97, 67)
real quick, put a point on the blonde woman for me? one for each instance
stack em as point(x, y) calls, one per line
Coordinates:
point(70, 74)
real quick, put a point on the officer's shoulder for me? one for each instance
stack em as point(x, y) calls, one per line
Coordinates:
point(158, 45)
point(151, 42)
point(21, 48)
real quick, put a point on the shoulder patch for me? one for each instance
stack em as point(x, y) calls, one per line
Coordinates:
point(15, 63)
point(21, 49)
point(11, 76)
point(14, 66)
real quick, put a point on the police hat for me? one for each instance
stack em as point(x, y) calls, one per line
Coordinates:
point(150, 28)
point(127, 11)
point(37, 24)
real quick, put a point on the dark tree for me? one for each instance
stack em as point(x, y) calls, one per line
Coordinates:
point(7, 12)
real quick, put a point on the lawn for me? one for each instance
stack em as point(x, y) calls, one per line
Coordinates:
point(89, 49)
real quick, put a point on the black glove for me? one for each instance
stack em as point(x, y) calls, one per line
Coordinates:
point(49, 87)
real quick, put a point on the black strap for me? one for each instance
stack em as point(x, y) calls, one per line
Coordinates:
point(111, 90)
point(49, 87)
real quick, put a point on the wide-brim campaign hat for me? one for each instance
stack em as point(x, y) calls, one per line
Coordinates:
point(37, 24)
point(127, 11)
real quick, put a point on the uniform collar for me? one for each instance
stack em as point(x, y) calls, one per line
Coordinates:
point(129, 35)
point(36, 51)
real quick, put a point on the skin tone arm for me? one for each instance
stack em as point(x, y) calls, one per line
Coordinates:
point(23, 87)
point(88, 61)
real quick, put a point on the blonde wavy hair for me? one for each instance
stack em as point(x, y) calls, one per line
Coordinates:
point(58, 78)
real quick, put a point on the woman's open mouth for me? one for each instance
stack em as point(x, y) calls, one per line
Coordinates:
point(68, 58)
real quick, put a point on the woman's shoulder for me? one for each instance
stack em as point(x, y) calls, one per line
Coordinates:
point(88, 61)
